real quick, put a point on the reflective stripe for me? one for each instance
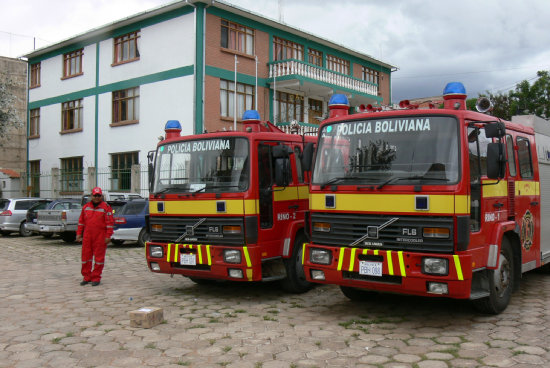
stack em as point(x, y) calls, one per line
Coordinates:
point(376, 252)
point(247, 257)
point(176, 252)
point(200, 253)
point(401, 263)
point(168, 252)
point(340, 259)
point(79, 224)
point(365, 251)
point(458, 268)
point(303, 252)
point(352, 259)
point(249, 274)
point(109, 226)
point(86, 261)
point(99, 210)
point(99, 263)
point(208, 255)
point(390, 262)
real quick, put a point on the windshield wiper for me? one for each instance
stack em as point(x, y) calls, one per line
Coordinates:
point(412, 177)
point(338, 178)
point(164, 190)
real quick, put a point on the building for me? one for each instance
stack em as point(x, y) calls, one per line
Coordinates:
point(13, 152)
point(101, 98)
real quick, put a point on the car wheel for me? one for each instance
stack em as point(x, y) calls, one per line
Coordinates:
point(47, 235)
point(23, 229)
point(68, 236)
point(143, 237)
point(4, 232)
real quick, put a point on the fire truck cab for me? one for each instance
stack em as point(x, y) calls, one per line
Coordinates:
point(229, 205)
point(434, 202)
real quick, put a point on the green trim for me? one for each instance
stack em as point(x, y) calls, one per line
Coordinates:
point(199, 66)
point(96, 122)
point(271, 106)
point(105, 35)
point(230, 75)
point(134, 82)
point(28, 164)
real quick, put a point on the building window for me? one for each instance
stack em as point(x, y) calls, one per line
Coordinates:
point(34, 123)
point(237, 37)
point(315, 57)
point(126, 105)
point(245, 98)
point(289, 107)
point(71, 116)
point(370, 75)
point(35, 76)
point(126, 48)
point(35, 178)
point(72, 63)
point(71, 174)
point(121, 170)
point(283, 49)
point(337, 64)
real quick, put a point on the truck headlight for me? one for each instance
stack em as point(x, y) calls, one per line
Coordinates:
point(320, 256)
point(436, 232)
point(155, 251)
point(435, 266)
point(321, 226)
point(232, 256)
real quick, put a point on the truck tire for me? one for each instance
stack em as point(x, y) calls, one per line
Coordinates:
point(23, 229)
point(68, 236)
point(357, 295)
point(143, 237)
point(295, 281)
point(501, 282)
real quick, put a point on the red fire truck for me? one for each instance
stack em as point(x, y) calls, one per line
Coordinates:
point(229, 205)
point(432, 202)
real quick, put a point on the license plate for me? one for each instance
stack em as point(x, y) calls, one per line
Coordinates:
point(188, 259)
point(370, 268)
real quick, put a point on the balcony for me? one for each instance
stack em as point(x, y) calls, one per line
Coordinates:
point(298, 127)
point(288, 70)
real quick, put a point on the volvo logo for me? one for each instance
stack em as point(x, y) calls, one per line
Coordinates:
point(190, 230)
point(373, 231)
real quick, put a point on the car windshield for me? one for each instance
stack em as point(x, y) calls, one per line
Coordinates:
point(398, 150)
point(133, 208)
point(208, 165)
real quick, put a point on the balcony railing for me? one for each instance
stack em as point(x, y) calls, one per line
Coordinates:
point(297, 67)
point(298, 128)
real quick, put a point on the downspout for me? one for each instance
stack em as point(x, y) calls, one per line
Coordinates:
point(28, 163)
point(96, 123)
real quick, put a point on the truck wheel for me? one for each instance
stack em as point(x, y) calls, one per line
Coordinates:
point(295, 281)
point(143, 237)
point(68, 236)
point(357, 295)
point(501, 282)
point(23, 229)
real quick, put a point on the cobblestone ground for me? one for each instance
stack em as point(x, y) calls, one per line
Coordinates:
point(48, 320)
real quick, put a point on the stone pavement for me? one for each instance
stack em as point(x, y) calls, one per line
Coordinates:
point(48, 320)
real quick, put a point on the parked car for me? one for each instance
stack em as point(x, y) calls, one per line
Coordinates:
point(13, 215)
point(31, 224)
point(61, 219)
point(112, 196)
point(130, 222)
point(50, 204)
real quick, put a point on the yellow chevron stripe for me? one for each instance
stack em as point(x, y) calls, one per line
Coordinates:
point(390, 262)
point(376, 252)
point(352, 259)
point(168, 252)
point(340, 259)
point(365, 251)
point(176, 252)
point(458, 268)
point(249, 274)
point(247, 257)
point(401, 263)
point(200, 253)
point(303, 252)
point(208, 255)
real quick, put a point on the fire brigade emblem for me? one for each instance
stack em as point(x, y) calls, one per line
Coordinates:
point(527, 230)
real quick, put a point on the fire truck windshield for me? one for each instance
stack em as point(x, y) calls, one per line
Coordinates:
point(389, 151)
point(207, 165)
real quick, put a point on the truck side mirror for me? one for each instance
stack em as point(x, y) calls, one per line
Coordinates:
point(307, 156)
point(496, 162)
point(282, 172)
point(151, 168)
point(495, 130)
point(280, 151)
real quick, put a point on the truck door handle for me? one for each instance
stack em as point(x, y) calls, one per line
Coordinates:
point(534, 203)
point(293, 207)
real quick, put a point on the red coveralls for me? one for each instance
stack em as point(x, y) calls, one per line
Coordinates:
point(97, 225)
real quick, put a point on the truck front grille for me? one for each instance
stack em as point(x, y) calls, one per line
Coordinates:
point(210, 231)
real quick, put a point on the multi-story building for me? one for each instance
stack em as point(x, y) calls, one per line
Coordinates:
point(101, 98)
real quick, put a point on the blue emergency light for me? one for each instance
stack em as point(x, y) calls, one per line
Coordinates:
point(454, 88)
point(251, 115)
point(339, 99)
point(172, 124)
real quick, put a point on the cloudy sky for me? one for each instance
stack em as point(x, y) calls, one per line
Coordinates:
point(486, 44)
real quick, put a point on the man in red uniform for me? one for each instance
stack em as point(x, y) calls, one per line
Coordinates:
point(95, 228)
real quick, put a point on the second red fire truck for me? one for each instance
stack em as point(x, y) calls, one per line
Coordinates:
point(433, 202)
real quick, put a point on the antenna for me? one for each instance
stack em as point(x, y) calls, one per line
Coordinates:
point(281, 17)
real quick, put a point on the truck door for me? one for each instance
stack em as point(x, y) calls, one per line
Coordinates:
point(274, 211)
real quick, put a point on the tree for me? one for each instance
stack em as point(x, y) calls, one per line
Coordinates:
point(8, 113)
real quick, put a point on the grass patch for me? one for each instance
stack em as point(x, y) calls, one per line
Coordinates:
point(150, 346)
point(56, 340)
point(269, 318)
point(227, 349)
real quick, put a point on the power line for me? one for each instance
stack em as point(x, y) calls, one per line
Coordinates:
point(22, 35)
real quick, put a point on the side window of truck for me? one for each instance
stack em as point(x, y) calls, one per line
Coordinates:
point(297, 159)
point(477, 146)
point(524, 158)
point(510, 155)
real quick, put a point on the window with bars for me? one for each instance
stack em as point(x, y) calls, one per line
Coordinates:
point(315, 57)
point(126, 105)
point(289, 107)
point(245, 98)
point(34, 123)
point(370, 75)
point(337, 64)
point(72, 177)
point(72, 63)
point(35, 178)
point(284, 49)
point(35, 76)
point(71, 116)
point(237, 37)
point(121, 170)
point(126, 48)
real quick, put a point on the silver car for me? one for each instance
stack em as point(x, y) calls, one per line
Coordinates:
point(13, 215)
